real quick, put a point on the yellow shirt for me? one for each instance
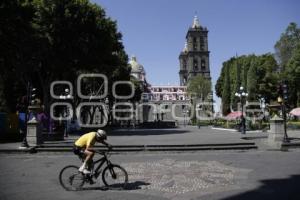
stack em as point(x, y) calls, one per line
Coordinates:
point(87, 140)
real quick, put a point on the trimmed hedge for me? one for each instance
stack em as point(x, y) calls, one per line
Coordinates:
point(293, 125)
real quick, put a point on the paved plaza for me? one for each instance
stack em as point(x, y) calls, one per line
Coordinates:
point(182, 176)
point(262, 173)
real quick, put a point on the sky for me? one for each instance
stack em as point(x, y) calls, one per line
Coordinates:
point(154, 30)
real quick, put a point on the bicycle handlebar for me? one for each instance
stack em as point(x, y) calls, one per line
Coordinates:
point(103, 153)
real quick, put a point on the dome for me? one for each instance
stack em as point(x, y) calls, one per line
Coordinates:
point(135, 66)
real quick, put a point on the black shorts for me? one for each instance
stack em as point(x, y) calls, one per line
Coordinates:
point(78, 151)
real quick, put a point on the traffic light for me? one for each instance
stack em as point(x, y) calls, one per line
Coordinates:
point(33, 96)
point(285, 91)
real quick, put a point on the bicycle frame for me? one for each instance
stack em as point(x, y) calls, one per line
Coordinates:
point(101, 162)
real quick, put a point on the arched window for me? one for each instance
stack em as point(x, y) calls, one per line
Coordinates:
point(195, 44)
point(201, 43)
point(166, 97)
point(203, 64)
point(184, 64)
point(195, 64)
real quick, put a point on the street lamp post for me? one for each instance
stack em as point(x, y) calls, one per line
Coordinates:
point(106, 101)
point(285, 100)
point(212, 102)
point(283, 112)
point(66, 96)
point(263, 106)
point(282, 100)
point(241, 94)
point(184, 116)
point(187, 114)
point(198, 111)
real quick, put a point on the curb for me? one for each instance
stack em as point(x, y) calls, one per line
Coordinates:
point(235, 130)
point(155, 146)
point(290, 145)
point(141, 148)
point(224, 129)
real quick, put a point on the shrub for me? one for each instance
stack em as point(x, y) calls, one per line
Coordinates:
point(293, 125)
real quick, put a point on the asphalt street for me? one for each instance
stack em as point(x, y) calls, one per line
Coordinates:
point(212, 175)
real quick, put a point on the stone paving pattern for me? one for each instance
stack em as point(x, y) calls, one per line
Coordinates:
point(173, 177)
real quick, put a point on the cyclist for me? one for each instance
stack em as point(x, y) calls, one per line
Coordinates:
point(83, 147)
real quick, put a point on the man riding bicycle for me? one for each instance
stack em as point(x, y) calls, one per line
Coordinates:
point(83, 147)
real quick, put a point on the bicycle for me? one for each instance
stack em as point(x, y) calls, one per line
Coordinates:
point(113, 176)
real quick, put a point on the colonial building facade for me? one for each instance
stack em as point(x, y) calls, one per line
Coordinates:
point(157, 102)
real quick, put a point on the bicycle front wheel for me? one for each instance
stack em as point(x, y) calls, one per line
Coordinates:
point(70, 178)
point(115, 176)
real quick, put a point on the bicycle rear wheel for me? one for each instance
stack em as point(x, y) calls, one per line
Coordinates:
point(70, 178)
point(115, 177)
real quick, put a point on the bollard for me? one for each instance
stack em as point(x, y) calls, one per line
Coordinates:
point(276, 133)
point(34, 129)
point(34, 133)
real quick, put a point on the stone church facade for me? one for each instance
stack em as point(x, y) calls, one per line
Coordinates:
point(194, 58)
point(171, 102)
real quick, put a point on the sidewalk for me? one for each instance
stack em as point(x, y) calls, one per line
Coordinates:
point(179, 139)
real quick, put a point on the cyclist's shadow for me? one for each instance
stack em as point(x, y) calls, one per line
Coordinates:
point(137, 185)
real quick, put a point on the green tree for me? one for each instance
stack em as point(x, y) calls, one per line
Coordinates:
point(292, 74)
point(47, 40)
point(287, 50)
point(287, 43)
point(199, 87)
point(236, 86)
point(226, 93)
point(267, 77)
point(252, 81)
point(260, 74)
point(220, 82)
point(76, 36)
point(3, 103)
point(257, 74)
point(17, 47)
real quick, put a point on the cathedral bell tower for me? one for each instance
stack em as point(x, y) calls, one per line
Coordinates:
point(194, 58)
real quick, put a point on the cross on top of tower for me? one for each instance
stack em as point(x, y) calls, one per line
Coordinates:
point(196, 23)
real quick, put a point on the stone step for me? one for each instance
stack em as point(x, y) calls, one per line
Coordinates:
point(140, 148)
point(154, 146)
point(157, 148)
point(291, 145)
